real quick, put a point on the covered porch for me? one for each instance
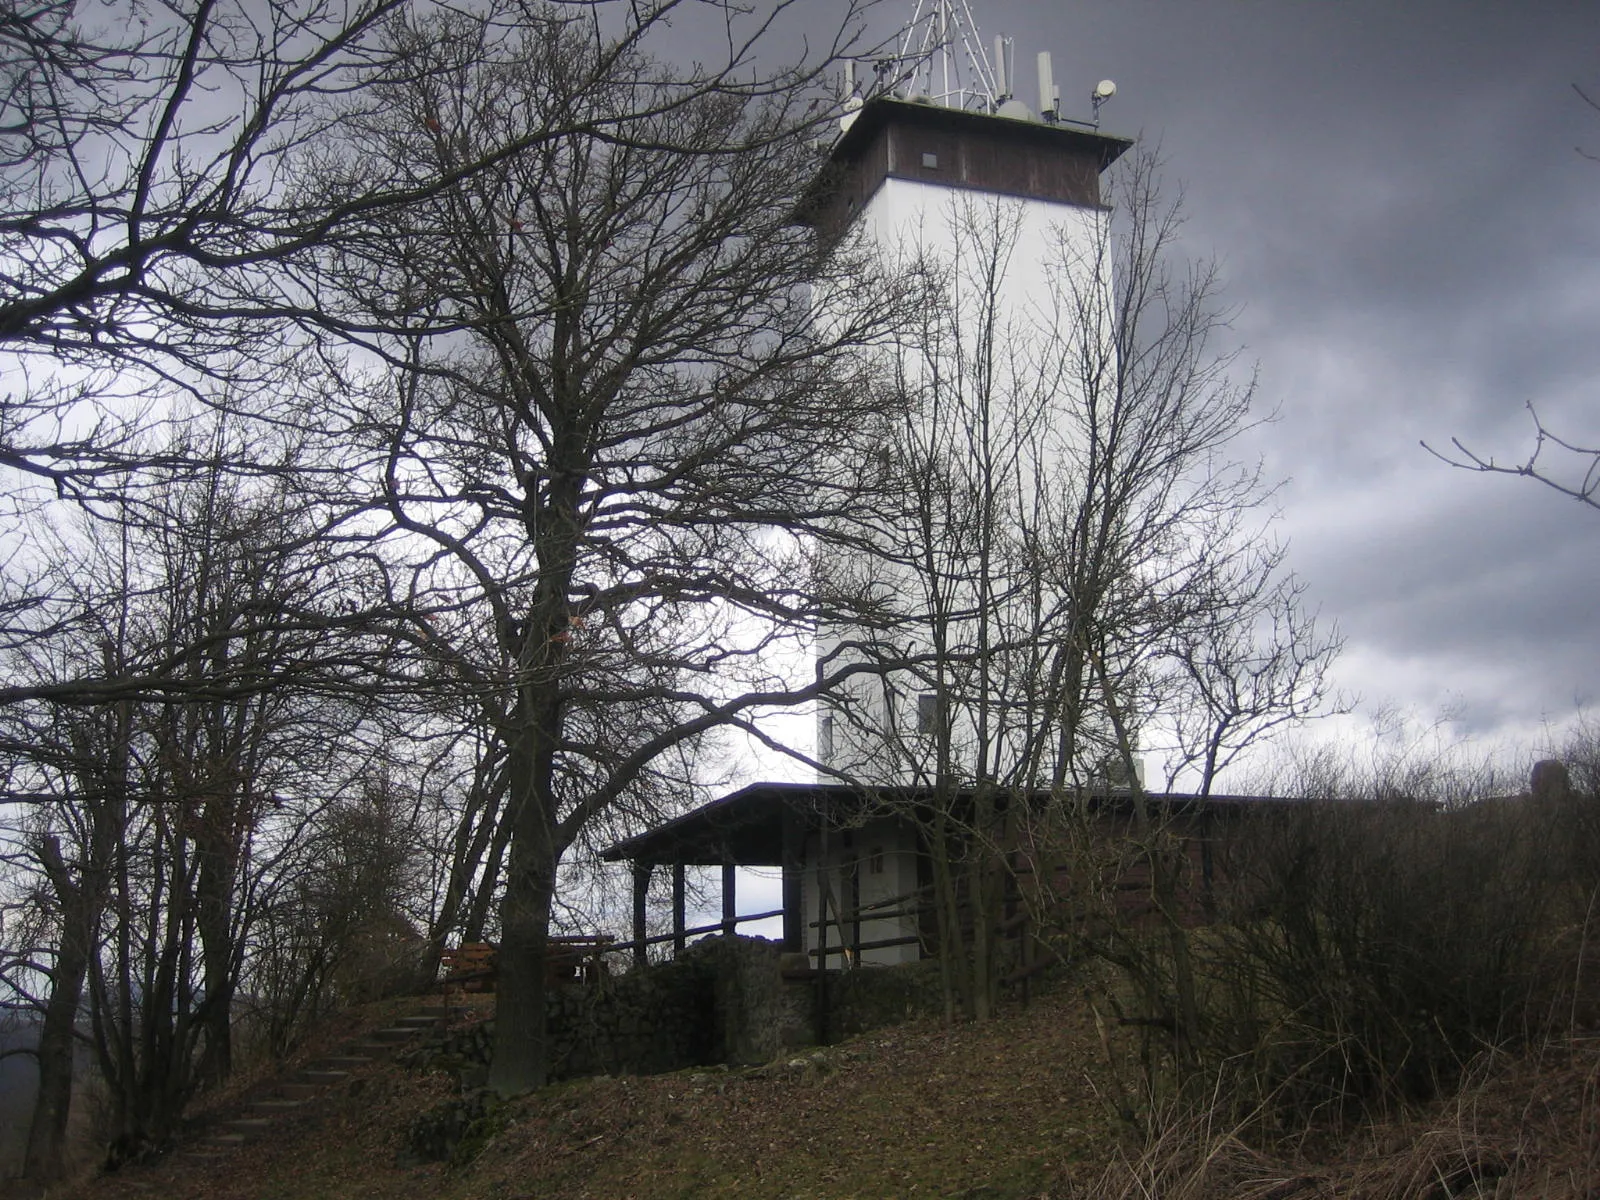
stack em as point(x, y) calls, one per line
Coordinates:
point(850, 861)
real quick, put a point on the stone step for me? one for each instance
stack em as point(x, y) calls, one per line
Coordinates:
point(249, 1127)
point(324, 1077)
point(223, 1141)
point(420, 1021)
point(297, 1091)
point(444, 1012)
point(276, 1106)
point(393, 1034)
point(342, 1062)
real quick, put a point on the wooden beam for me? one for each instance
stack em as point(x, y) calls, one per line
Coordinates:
point(794, 937)
point(730, 899)
point(677, 909)
point(822, 935)
point(853, 882)
point(641, 892)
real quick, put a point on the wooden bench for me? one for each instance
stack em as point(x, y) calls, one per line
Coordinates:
point(474, 966)
point(573, 957)
point(471, 967)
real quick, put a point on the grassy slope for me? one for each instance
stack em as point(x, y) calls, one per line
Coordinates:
point(914, 1110)
point(1012, 1109)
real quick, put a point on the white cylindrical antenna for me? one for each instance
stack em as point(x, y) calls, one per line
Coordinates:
point(849, 86)
point(1001, 76)
point(1047, 88)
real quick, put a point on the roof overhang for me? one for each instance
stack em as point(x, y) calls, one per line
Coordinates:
point(746, 828)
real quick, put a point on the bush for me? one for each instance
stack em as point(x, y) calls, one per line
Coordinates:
point(1369, 950)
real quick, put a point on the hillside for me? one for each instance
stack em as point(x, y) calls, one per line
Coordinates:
point(1018, 1108)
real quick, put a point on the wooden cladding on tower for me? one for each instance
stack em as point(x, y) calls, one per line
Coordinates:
point(959, 149)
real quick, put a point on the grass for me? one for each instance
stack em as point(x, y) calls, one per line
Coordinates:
point(1017, 1108)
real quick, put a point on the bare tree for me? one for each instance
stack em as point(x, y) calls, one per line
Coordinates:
point(1252, 665)
point(174, 177)
point(145, 822)
point(1078, 544)
point(600, 486)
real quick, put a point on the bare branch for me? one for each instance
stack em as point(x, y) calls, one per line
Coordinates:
point(1579, 479)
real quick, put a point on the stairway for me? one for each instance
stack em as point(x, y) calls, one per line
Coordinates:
point(281, 1098)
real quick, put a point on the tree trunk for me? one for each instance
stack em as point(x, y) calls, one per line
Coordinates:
point(520, 1060)
point(47, 1134)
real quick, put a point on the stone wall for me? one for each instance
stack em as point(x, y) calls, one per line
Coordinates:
point(723, 1000)
point(872, 997)
point(652, 1019)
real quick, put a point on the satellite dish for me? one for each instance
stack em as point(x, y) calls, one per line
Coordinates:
point(1016, 110)
point(1103, 91)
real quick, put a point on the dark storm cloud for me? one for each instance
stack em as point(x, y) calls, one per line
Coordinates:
point(1396, 196)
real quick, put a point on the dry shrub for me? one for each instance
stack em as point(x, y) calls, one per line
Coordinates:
point(1194, 1152)
point(1371, 950)
point(1396, 994)
point(1523, 1126)
point(1519, 1126)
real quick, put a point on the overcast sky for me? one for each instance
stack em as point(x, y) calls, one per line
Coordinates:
point(1397, 196)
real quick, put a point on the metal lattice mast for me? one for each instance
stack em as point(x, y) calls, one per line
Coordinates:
point(941, 57)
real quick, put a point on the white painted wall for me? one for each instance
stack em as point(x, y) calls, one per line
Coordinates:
point(1000, 409)
point(882, 855)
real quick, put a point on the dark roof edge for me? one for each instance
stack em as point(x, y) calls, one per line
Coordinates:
point(811, 795)
point(878, 111)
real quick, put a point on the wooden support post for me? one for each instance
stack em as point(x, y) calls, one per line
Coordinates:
point(677, 908)
point(853, 865)
point(641, 892)
point(730, 899)
point(823, 891)
point(794, 916)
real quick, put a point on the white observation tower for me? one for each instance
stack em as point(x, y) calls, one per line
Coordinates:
point(941, 169)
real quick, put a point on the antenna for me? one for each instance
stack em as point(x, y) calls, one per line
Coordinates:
point(941, 59)
point(1049, 93)
point(1103, 91)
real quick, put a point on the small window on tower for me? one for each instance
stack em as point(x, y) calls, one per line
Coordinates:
point(927, 712)
point(875, 861)
point(930, 160)
point(825, 738)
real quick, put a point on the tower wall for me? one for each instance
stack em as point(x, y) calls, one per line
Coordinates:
point(1003, 218)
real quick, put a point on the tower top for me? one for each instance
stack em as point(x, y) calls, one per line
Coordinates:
point(956, 148)
point(939, 59)
point(940, 112)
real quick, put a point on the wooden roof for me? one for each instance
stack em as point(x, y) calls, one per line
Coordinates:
point(746, 828)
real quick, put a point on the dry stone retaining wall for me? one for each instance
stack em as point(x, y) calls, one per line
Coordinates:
point(723, 1000)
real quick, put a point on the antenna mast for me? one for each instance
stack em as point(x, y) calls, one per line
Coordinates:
point(941, 57)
